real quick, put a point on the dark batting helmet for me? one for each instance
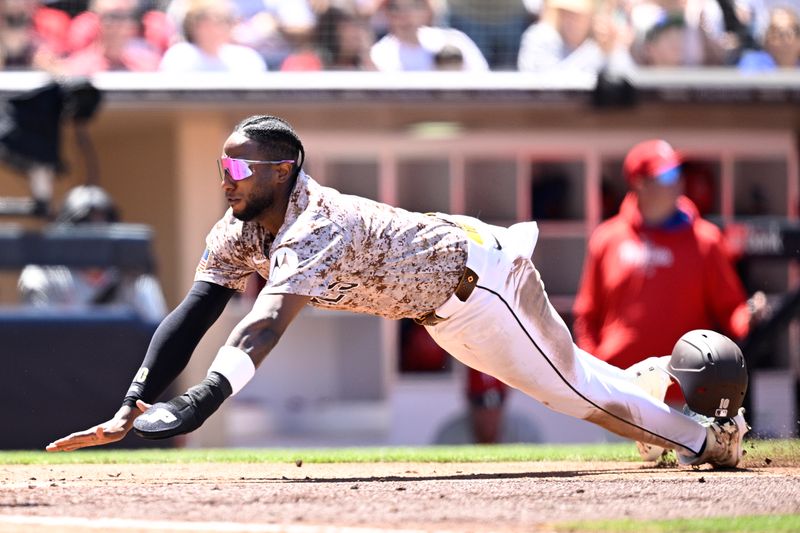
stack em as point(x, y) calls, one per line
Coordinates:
point(711, 371)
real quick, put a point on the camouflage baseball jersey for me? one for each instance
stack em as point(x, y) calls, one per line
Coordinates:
point(344, 251)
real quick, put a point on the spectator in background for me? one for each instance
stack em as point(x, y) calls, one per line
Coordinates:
point(155, 28)
point(342, 41)
point(708, 39)
point(71, 7)
point(486, 396)
point(419, 352)
point(118, 44)
point(665, 43)
point(496, 27)
point(570, 36)
point(412, 44)
point(62, 286)
point(657, 253)
point(32, 36)
point(449, 58)
point(207, 28)
point(781, 44)
point(274, 28)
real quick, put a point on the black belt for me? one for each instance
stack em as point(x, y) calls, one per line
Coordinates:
point(463, 290)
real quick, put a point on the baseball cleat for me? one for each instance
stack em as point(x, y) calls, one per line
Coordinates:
point(649, 374)
point(164, 420)
point(724, 438)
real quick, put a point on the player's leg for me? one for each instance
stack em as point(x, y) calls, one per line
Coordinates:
point(509, 329)
point(650, 374)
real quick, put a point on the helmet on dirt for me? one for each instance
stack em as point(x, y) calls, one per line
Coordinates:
point(710, 369)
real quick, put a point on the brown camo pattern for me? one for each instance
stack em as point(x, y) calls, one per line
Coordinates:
point(354, 254)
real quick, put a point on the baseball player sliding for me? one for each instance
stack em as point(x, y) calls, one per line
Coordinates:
point(471, 284)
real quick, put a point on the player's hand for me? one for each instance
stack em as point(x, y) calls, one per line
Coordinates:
point(105, 433)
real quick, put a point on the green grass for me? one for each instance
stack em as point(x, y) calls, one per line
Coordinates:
point(436, 454)
point(738, 524)
point(758, 452)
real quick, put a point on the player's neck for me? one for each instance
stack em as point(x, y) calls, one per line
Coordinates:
point(658, 217)
point(271, 219)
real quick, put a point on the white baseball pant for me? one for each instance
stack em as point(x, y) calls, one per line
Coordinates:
point(507, 328)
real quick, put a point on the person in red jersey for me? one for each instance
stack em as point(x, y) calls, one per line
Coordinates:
point(657, 255)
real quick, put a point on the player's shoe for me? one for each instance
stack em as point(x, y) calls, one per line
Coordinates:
point(650, 375)
point(723, 448)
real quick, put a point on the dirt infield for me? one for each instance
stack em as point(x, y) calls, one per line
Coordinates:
point(472, 497)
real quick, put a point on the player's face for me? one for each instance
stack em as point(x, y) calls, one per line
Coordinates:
point(253, 196)
point(658, 201)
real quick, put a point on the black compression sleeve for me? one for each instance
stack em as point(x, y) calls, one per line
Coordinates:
point(175, 339)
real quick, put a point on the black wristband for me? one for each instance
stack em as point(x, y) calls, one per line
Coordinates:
point(134, 393)
point(130, 401)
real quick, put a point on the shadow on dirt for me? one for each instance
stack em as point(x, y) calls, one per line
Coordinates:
point(644, 471)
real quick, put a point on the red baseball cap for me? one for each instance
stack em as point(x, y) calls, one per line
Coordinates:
point(655, 160)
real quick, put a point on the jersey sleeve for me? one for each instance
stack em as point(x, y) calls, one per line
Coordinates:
point(306, 264)
point(226, 260)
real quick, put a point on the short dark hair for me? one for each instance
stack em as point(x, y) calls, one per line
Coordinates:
point(327, 32)
point(667, 22)
point(449, 55)
point(276, 137)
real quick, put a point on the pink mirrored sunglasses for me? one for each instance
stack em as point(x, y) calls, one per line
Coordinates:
point(239, 169)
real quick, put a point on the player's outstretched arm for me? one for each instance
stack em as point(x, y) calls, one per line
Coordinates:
point(105, 433)
point(170, 350)
point(249, 343)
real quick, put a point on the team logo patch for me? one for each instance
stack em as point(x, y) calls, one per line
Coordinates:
point(141, 375)
point(338, 291)
point(722, 410)
point(201, 266)
point(645, 255)
point(284, 264)
point(159, 415)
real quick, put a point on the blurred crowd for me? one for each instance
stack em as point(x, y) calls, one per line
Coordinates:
point(77, 37)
